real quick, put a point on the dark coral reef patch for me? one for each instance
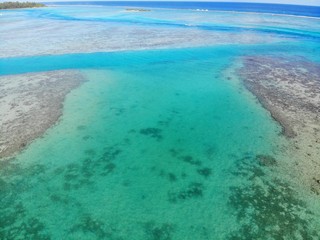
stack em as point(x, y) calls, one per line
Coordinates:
point(155, 133)
point(205, 172)
point(81, 174)
point(193, 190)
point(267, 207)
point(92, 228)
point(154, 231)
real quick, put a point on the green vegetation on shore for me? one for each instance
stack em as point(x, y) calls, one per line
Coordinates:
point(13, 5)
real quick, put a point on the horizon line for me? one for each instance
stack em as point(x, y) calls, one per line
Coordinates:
point(311, 3)
point(202, 1)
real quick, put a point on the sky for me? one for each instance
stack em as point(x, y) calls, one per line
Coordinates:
point(297, 2)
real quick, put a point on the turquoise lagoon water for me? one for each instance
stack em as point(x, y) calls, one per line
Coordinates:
point(159, 145)
point(156, 144)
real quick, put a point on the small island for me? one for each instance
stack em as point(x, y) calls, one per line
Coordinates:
point(137, 10)
point(14, 5)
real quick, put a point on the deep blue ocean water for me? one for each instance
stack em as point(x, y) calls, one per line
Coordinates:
point(311, 11)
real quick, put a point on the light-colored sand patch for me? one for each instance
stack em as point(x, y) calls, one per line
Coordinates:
point(30, 104)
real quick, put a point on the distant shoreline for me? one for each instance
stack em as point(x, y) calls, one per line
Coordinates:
point(20, 5)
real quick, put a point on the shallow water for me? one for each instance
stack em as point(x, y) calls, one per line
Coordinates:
point(147, 148)
point(157, 144)
point(82, 29)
